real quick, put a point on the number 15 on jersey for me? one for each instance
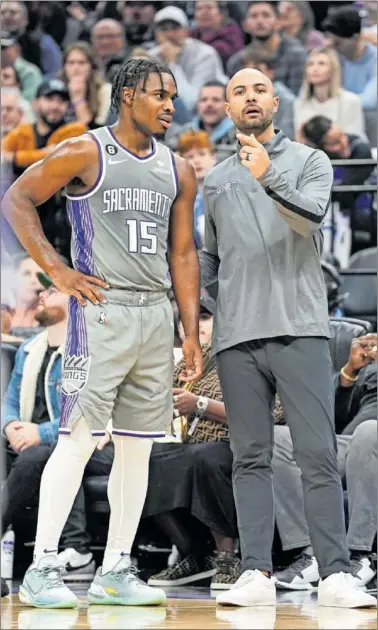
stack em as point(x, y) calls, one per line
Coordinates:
point(139, 231)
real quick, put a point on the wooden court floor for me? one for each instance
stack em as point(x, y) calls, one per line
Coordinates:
point(191, 608)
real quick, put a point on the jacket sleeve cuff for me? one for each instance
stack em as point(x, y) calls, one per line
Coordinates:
point(48, 431)
point(270, 176)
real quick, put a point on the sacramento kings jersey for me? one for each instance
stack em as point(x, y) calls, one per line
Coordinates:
point(120, 226)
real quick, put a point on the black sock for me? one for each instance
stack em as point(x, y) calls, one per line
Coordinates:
point(356, 554)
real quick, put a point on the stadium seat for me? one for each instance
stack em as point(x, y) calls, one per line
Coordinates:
point(345, 330)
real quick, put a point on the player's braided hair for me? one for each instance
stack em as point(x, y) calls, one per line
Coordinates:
point(131, 73)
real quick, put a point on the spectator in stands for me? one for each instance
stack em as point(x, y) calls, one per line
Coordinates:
point(29, 143)
point(29, 74)
point(321, 133)
point(297, 20)
point(37, 47)
point(192, 62)
point(196, 147)
point(358, 58)
point(27, 288)
point(213, 26)
point(109, 44)
point(322, 94)
point(211, 117)
point(14, 109)
point(356, 426)
point(257, 57)
point(138, 19)
point(9, 76)
point(30, 422)
point(369, 21)
point(263, 26)
point(88, 92)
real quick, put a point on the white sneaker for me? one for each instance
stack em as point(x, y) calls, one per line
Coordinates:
point(253, 588)
point(77, 566)
point(362, 571)
point(340, 590)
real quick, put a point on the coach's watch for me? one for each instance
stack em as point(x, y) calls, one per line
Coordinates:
point(202, 404)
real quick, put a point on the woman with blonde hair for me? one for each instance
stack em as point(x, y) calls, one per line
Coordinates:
point(322, 94)
point(89, 92)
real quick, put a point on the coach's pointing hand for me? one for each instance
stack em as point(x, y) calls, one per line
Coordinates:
point(253, 155)
point(192, 352)
point(79, 285)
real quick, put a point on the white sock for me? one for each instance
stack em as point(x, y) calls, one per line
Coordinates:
point(127, 489)
point(60, 483)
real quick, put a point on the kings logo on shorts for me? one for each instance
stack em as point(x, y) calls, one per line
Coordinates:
point(75, 374)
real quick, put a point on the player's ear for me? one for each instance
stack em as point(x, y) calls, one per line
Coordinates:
point(127, 96)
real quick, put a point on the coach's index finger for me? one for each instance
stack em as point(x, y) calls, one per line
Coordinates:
point(247, 140)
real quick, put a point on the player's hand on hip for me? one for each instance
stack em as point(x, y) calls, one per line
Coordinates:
point(253, 155)
point(192, 353)
point(79, 285)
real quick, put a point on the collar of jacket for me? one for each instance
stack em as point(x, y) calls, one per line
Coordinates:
point(274, 147)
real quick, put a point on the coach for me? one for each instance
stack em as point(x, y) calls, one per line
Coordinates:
point(264, 209)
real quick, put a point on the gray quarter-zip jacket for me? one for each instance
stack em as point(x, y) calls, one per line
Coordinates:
point(263, 245)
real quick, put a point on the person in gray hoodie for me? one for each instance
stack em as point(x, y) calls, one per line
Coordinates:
point(264, 207)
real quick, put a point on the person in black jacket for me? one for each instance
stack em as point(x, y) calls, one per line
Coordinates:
point(356, 428)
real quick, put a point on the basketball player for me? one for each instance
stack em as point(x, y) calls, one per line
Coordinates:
point(270, 334)
point(130, 203)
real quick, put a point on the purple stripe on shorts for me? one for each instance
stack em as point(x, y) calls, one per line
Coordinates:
point(77, 338)
point(139, 435)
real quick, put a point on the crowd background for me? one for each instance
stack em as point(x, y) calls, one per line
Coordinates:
point(58, 60)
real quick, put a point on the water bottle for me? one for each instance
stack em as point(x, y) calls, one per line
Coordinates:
point(7, 554)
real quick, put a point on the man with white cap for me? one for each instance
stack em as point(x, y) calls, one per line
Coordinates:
point(192, 62)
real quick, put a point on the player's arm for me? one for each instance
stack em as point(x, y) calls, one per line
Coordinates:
point(184, 267)
point(76, 158)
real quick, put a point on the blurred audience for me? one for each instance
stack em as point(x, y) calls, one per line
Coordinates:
point(9, 75)
point(88, 91)
point(27, 288)
point(36, 46)
point(28, 73)
point(263, 26)
point(297, 20)
point(369, 21)
point(213, 26)
point(196, 147)
point(138, 19)
point(322, 94)
point(14, 109)
point(210, 117)
point(358, 58)
point(192, 62)
point(257, 57)
point(109, 45)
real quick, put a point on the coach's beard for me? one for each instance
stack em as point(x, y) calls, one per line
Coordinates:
point(256, 126)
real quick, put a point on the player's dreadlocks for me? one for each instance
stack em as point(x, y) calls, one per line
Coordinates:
point(129, 75)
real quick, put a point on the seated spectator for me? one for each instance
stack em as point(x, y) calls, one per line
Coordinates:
point(29, 143)
point(356, 426)
point(9, 76)
point(321, 133)
point(257, 57)
point(358, 58)
point(297, 20)
point(262, 25)
point(369, 21)
point(192, 62)
point(14, 110)
point(88, 92)
point(212, 118)
point(29, 74)
point(213, 26)
point(30, 422)
point(322, 94)
point(27, 288)
point(37, 47)
point(109, 44)
point(138, 19)
point(196, 147)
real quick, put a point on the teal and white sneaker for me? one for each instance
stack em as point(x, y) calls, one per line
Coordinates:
point(43, 586)
point(122, 587)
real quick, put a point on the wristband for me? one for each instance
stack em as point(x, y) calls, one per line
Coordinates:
point(351, 379)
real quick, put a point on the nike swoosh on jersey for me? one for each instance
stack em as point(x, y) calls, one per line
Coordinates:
point(117, 161)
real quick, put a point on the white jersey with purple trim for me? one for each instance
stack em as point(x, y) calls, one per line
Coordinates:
point(120, 226)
